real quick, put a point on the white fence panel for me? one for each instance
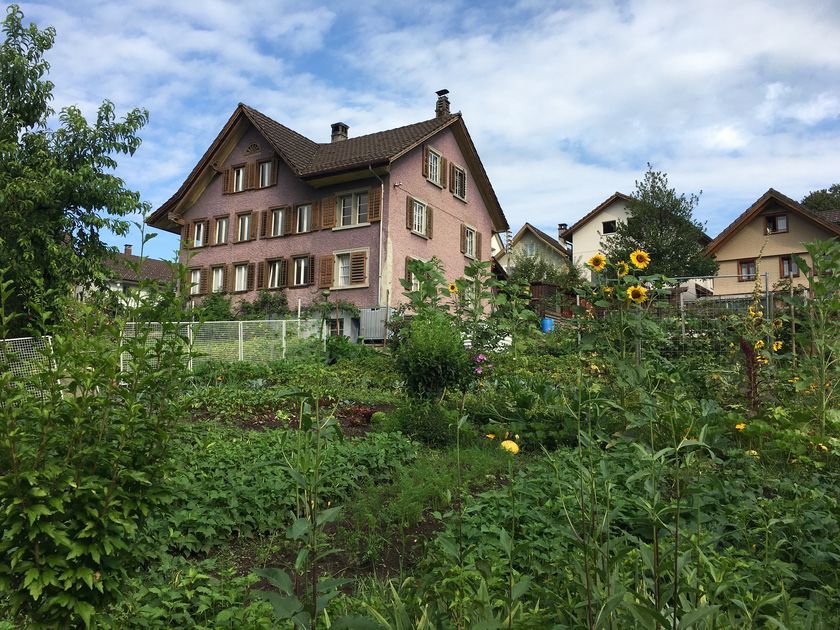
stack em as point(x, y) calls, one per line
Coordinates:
point(25, 356)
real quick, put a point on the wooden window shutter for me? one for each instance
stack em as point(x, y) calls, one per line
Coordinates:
point(310, 270)
point(409, 213)
point(290, 272)
point(328, 212)
point(429, 221)
point(325, 272)
point(316, 215)
point(425, 161)
point(254, 220)
point(283, 280)
point(478, 245)
point(190, 231)
point(202, 282)
point(252, 268)
point(265, 217)
point(251, 175)
point(374, 204)
point(463, 239)
point(288, 216)
point(358, 268)
point(444, 171)
point(225, 278)
point(275, 166)
point(451, 177)
point(227, 180)
point(260, 274)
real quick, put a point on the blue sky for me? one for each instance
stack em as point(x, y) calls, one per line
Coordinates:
point(566, 101)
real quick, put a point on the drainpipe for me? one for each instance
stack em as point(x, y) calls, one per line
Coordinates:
point(381, 221)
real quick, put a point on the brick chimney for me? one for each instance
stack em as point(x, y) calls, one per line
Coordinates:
point(442, 105)
point(339, 131)
point(127, 250)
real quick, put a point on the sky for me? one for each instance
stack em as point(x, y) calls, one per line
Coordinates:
point(567, 102)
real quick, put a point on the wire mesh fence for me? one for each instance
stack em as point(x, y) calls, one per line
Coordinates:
point(26, 357)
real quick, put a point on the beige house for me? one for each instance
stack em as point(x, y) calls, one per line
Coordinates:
point(778, 224)
point(589, 235)
point(531, 241)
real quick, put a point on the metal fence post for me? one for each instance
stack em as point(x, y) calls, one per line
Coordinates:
point(190, 340)
point(284, 338)
point(241, 344)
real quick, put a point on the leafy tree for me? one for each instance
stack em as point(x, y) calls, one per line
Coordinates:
point(824, 200)
point(530, 269)
point(266, 304)
point(214, 308)
point(57, 187)
point(660, 222)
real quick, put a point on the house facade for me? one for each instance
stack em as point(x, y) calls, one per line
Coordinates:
point(533, 242)
point(764, 239)
point(587, 236)
point(269, 209)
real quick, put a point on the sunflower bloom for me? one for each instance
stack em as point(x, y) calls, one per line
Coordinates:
point(490, 436)
point(453, 288)
point(777, 345)
point(759, 344)
point(597, 262)
point(752, 453)
point(640, 259)
point(622, 268)
point(510, 446)
point(740, 426)
point(637, 293)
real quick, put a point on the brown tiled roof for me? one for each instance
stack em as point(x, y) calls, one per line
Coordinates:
point(755, 208)
point(549, 240)
point(832, 216)
point(123, 267)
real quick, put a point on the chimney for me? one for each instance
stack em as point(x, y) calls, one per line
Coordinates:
point(561, 227)
point(339, 131)
point(442, 105)
point(127, 250)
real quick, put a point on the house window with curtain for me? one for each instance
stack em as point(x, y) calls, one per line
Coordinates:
point(240, 277)
point(777, 223)
point(746, 270)
point(352, 209)
point(195, 281)
point(221, 236)
point(218, 279)
point(243, 227)
point(265, 174)
point(304, 218)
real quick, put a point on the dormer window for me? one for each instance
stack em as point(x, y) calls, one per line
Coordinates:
point(777, 223)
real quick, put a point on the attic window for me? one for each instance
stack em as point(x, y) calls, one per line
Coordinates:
point(608, 227)
point(777, 223)
point(252, 148)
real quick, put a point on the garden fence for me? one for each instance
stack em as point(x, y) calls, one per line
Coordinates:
point(25, 356)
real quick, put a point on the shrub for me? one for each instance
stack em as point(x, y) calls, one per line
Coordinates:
point(425, 421)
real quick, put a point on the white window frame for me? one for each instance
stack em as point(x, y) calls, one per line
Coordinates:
point(218, 279)
point(436, 159)
point(195, 281)
point(300, 270)
point(223, 233)
point(243, 220)
point(277, 221)
point(240, 277)
point(239, 178)
point(529, 249)
point(306, 223)
point(469, 244)
point(199, 236)
point(274, 269)
point(419, 217)
point(266, 173)
point(354, 218)
point(462, 194)
point(342, 270)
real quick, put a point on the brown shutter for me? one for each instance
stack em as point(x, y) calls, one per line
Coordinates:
point(260, 274)
point(265, 217)
point(374, 204)
point(310, 270)
point(444, 171)
point(251, 175)
point(227, 180)
point(451, 177)
point(283, 280)
point(316, 215)
point(290, 272)
point(288, 216)
point(328, 212)
point(202, 282)
point(478, 245)
point(225, 278)
point(325, 272)
point(188, 237)
point(429, 221)
point(254, 220)
point(358, 268)
point(425, 161)
point(249, 279)
point(275, 166)
point(463, 239)
point(409, 217)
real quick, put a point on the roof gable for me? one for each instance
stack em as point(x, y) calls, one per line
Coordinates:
point(616, 196)
point(125, 267)
point(553, 243)
point(756, 208)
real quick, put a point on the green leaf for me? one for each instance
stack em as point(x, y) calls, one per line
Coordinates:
point(520, 587)
point(330, 515)
point(355, 622)
point(298, 529)
point(285, 607)
point(278, 578)
point(85, 611)
point(694, 616)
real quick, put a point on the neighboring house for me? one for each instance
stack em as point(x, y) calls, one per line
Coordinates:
point(126, 271)
point(267, 208)
point(587, 236)
point(531, 241)
point(778, 224)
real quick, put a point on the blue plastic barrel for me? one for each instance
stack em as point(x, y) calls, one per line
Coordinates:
point(547, 324)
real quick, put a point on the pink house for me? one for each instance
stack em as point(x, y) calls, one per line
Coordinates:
point(266, 208)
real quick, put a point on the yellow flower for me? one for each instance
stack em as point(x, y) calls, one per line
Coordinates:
point(754, 313)
point(777, 345)
point(622, 268)
point(793, 380)
point(510, 446)
point(637, 293)
point(762, 360)
point(640, 259)
point(608, 290)
point(752, 453)
point(823, 448)
point(453, 288)
point(759, 344)
point(597, 262)
point(490, 436)
point(741, 426)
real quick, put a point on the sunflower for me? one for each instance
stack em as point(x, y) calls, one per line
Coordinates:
point(622, 268)
point(510, 446)
point(777, 345)
point(453, 288)
point(759, 344)
point(741, 426)
point(640, 259)
point(608, 290)
point(490, 436)
point(597, 262)
point(637, 293)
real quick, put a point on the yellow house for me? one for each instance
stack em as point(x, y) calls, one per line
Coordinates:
point(778, 224)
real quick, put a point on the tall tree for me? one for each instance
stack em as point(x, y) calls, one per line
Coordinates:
point(661, 222)
point(824, 200)
point(57, 187)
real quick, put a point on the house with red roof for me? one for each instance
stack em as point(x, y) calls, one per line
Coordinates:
point(266, 208)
